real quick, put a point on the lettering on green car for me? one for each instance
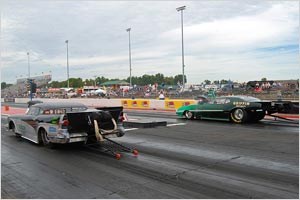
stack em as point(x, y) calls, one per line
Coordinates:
point(241, 103)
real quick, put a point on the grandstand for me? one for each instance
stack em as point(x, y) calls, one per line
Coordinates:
point(20, 88)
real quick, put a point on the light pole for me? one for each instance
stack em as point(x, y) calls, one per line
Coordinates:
point(28, 65)
point(128, 30)
point(95, 82)
point(30, 80)
point(182, 50)
point(67, 42)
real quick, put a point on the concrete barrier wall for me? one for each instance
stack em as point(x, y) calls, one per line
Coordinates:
point(153, 104)
point(126, 103)
point(175, 104)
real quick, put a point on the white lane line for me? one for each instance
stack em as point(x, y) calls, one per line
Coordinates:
point(179, 124)
point(132, 119)
point(130, 129)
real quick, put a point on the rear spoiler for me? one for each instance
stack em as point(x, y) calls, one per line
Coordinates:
point(31, 103)
point(280, 107)
point(286, 107)
point(114, 111)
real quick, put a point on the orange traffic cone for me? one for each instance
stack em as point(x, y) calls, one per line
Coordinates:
point(6, 108)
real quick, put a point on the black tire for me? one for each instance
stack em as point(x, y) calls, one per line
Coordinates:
point(238, 115)
point(12, 126)
point(258, 117)
point(188, 114)
point(45, 140)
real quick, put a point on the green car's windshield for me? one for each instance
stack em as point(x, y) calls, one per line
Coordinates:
point(249, 99)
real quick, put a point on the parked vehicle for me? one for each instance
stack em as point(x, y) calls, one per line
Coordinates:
point(66, 122)
point(100, 91)
point(237, 109)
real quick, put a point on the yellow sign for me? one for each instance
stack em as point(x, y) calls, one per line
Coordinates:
point(132, 103)
point(175, 104)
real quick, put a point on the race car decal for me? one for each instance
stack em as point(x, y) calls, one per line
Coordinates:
point(241, 103)
point(21, 128)
point(52, 129)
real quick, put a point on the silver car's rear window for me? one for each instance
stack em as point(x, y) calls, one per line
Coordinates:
point(34, 111)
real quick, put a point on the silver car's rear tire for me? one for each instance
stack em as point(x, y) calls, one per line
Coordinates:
point(45, 138)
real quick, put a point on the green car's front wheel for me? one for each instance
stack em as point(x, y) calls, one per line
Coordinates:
point(188, 114)
point(238, 115)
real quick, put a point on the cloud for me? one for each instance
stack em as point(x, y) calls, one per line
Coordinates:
point(220, 37)
point(275, 26)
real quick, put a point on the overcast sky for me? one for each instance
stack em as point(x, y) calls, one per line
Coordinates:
point(237, 40)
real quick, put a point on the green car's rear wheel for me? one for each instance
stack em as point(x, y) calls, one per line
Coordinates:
point(258, 116)
point(188, 114)
point(238, 115)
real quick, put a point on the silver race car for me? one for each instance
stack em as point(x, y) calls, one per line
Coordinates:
point(66, 122)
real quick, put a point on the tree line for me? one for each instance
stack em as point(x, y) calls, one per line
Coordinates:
point(135, 80)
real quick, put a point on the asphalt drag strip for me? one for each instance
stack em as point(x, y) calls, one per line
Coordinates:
point(190, 159)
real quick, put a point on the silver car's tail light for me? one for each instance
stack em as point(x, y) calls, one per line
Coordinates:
point(121, 117)
point(64, 123)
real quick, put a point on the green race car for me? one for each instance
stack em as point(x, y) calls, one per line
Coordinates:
point(237, 109)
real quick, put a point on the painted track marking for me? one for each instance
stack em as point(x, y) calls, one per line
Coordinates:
point(130, 129)
point(179, 124)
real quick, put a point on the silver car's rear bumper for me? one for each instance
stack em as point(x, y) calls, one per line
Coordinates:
point(65, 137)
